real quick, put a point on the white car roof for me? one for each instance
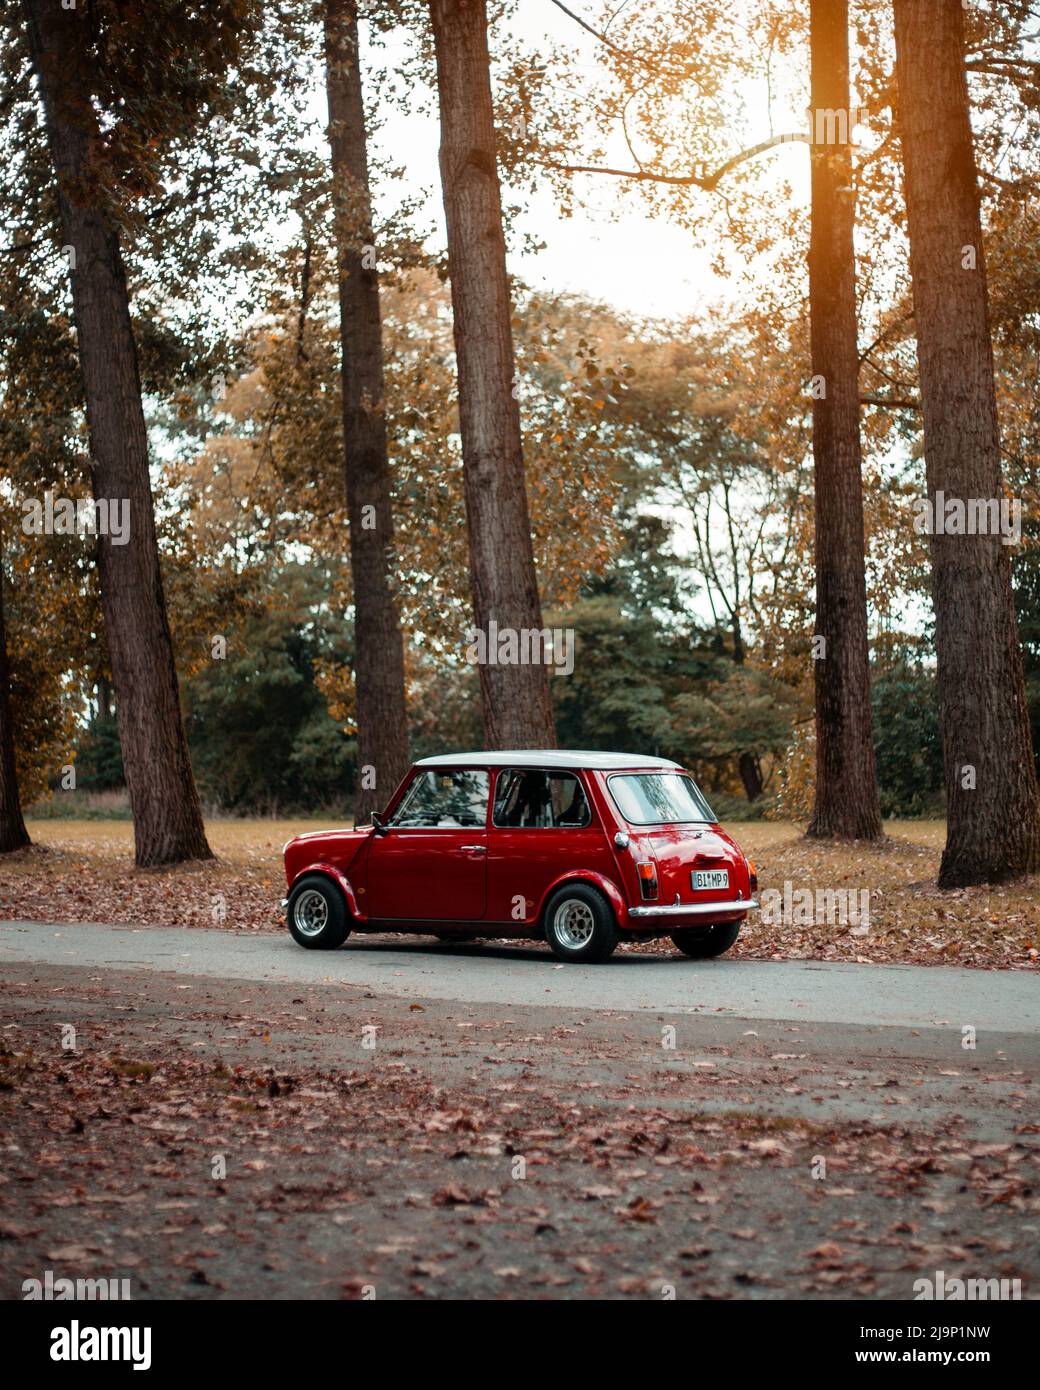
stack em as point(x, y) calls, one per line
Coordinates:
point(547, 757)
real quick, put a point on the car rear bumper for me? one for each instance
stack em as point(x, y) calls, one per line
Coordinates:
point(678, 911)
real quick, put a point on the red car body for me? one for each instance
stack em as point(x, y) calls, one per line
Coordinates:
point(494, 872)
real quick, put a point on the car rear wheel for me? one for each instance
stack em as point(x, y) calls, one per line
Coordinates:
point(701, 942)
point(317, 914)
point(579, 924)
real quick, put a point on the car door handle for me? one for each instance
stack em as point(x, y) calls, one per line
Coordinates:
point(472, 849)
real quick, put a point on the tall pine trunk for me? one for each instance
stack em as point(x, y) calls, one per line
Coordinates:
point(516, 699)
point(167, 816)
point(13, 834)
point(747, 762)
point(993, 829)
point(847, 805)
point(379, 650)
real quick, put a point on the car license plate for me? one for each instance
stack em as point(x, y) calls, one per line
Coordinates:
point(710, 878)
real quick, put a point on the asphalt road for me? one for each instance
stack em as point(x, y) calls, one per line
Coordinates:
point(672, 1117)
point(801, 991)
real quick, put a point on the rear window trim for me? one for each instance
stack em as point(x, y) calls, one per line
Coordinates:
point(656, 772)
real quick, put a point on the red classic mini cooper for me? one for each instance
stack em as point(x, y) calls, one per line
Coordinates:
point(578, 849)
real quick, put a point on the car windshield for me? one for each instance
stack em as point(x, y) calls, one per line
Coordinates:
point(659, 798)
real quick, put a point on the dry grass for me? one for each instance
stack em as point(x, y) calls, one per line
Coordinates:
point(83, 871)
point(254, 844)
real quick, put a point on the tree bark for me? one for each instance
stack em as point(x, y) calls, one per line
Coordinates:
point(13, 834)
point(747, 762)
point(993, 823)
point(750, 775)
point(846, 805)
point(516, 698)
point(379, 649)
point(168, 824)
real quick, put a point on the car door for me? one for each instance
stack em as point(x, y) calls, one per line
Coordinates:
point(542, 826)
point(431, 865)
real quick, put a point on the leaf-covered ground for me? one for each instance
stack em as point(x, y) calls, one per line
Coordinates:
point(209, 1139)
point(82, 871)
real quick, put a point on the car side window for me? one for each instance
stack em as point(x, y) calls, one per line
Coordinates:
point(535, 799)
point(448, 800)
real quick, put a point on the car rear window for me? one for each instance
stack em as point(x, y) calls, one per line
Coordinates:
point(536, 799)
point(659, 798)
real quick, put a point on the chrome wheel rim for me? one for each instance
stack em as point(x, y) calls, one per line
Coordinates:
point(311, 913)
point(573, 923)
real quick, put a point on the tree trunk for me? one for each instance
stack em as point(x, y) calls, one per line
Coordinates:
point(993, 826)
point(516, 698)
point(13, 834)
point(747, 762)
point(750, 775)
point(167, 816)
point(847, 804)
point(379, 649)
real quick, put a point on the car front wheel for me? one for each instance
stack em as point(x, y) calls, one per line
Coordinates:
point(317, 913)
point(579, 924)
point(701, 942)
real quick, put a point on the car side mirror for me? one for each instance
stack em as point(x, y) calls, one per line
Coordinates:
point(378, 825)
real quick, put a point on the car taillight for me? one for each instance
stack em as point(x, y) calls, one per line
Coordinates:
point(647, 878)
point(752, 876)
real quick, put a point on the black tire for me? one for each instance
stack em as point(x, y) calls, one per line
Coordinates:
point(572, 909)
point(700, 942)
point(303, 907)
